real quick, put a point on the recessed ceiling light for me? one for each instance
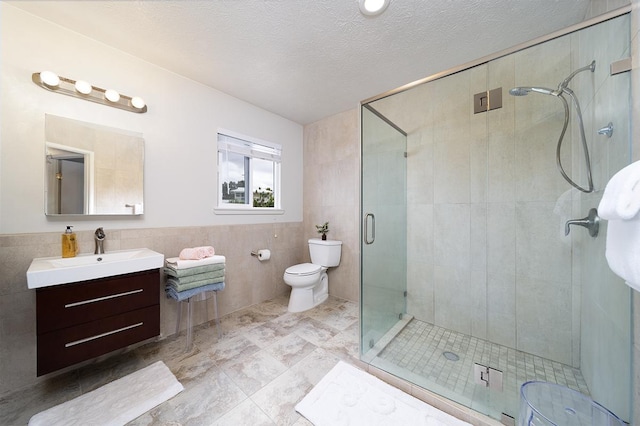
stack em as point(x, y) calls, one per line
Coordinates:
point(373, 7)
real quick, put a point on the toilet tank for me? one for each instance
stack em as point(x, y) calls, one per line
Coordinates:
point(325, 252)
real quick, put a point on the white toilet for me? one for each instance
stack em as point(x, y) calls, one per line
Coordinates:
point(309, 281)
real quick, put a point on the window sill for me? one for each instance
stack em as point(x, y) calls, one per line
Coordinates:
point(250, 211)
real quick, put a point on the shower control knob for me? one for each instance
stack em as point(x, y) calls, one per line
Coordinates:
point(591, 222)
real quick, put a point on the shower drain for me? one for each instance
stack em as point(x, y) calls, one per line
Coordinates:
point(451, 356)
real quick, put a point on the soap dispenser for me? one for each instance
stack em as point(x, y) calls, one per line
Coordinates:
point(69, 243)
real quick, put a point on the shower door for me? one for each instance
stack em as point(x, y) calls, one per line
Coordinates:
point(383, 242)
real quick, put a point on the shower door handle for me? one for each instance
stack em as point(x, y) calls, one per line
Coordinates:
point(366, 228)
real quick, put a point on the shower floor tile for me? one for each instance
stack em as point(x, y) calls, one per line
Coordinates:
point(417, 353)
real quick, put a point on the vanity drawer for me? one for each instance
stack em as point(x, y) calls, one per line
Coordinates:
point(62, 348)
point(78, 303)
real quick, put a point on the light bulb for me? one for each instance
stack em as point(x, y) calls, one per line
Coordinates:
point(112, 95)
point(137, 102)
point(373, 7)
point(83, 87)
point(50, 78)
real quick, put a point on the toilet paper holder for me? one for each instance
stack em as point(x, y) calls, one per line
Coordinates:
point(262, 254)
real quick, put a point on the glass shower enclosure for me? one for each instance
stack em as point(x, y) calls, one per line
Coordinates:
point(384, 209)
point(469, 285)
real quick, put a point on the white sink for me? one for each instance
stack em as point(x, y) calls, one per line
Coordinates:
point(48, 271)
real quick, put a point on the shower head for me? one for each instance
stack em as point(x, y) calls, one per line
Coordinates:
point(562, 87)
point(523, 91)
point(520, 91)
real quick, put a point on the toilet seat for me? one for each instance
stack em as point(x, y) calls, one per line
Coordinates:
point(303, 269)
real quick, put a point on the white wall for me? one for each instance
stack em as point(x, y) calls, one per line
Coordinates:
point(179, 129)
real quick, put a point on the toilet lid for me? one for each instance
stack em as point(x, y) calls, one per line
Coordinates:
point(303, 269)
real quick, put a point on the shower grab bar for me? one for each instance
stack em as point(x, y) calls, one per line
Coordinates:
point(366, 228)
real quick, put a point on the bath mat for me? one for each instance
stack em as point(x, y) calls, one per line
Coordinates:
point(116, 403)
point(348, 396)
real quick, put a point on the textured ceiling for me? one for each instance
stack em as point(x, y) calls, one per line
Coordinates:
point(306, 60)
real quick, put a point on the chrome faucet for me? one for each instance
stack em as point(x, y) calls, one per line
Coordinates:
point(99, 238)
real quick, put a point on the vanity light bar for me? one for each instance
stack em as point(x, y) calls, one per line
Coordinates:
point(83, 90)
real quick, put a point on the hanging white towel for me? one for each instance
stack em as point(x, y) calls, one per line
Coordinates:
point(620, 205)
point(621, 198)
point(623, 250)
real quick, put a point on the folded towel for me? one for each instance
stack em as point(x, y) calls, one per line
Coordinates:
point(184, 295)
point(197, 253)
point(198, 270)
point(206, 276)
point(621, 198)
point(177, 263)
point(178, 286)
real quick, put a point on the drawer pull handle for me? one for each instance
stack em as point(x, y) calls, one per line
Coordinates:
point(98, 336)
point(100, 299)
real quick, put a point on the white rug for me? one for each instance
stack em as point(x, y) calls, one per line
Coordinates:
point(347, 396)
point(116, 403)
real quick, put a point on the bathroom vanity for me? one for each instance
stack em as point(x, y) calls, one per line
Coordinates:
point(92, 304)
point(80, 321)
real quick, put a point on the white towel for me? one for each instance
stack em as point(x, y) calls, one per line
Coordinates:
point(177, 263)
point(623, 250)
point(620, 205)
point(621, 198)
point(116, 403)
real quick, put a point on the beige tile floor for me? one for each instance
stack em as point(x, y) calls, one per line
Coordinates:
point(266, 361)
point(417, 353)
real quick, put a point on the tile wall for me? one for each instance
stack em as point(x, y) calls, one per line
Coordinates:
point(332, 194)
point(482, 189)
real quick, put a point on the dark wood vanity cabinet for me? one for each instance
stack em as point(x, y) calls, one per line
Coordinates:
point(80, 321)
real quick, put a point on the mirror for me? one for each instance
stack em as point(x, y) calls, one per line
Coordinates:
point(92, 169)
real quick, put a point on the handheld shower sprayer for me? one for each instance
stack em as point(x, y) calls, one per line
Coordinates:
point(524, 91)
point(562, 89)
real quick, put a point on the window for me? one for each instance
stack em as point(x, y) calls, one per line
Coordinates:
point(248, 174)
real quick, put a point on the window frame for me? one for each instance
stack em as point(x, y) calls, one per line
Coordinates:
point(254, 148)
